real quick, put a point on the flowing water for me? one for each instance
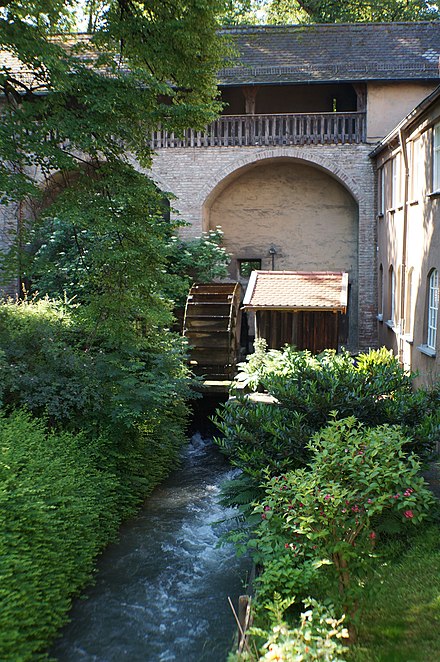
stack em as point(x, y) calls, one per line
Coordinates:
point(161, 591)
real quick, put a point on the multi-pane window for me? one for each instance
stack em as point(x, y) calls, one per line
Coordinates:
point(432, 308)
point(415, 167)
point(436, 159)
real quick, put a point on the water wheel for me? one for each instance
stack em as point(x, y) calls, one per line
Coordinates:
point(212, 326)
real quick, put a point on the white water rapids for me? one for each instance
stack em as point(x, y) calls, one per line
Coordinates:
point(161, 591)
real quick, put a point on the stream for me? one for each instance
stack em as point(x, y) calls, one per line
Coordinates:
point(161, 591)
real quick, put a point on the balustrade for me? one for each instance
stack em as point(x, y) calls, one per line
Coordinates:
point(267, 130)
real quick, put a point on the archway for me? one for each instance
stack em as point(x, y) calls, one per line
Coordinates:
point(289, 214)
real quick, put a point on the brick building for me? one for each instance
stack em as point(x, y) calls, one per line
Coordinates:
point(286, 170)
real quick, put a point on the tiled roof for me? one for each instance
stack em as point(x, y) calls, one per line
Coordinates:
point(334, 52)
point(297, 290)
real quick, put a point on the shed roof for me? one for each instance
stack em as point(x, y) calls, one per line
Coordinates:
point(297, 290)
point(334, 52)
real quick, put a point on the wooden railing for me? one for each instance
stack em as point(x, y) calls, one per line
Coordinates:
point(246, 130)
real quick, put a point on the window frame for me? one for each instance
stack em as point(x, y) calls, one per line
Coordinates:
point(243, 261)
point(381, 191)
point(436, 158)
point(432, 310)
point(395, 181)
point(391, 297)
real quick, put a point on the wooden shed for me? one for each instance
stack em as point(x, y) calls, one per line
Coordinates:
point(304, 309)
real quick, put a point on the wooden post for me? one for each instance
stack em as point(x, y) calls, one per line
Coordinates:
point(250, 97)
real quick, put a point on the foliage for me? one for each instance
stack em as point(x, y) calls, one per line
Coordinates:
point(332, 11)
point(200, 260)
point(84, 116)
point(307, 388)
point(50, 368)
point(59, 506)
point(318, 636)
point(325, 516)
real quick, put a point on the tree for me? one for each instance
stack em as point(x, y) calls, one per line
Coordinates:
point(80, 110)
point(333, 11)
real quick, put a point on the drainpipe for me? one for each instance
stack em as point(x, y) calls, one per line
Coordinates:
point(404, 246)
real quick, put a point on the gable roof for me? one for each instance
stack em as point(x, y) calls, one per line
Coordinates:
point(297, 290)
point(334, 52)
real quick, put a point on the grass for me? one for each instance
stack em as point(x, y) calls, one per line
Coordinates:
point(401, 621)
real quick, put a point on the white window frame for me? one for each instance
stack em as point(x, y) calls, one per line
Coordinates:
point(415, 170)
point(381, 192)
point(436, 159)
point(392, 296)
point(395, 181)
point(380, 295)
point(431, 336)
point(409, 304)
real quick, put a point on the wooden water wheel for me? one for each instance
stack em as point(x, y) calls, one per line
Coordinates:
point(212, 327)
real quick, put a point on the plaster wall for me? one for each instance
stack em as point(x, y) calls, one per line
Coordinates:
point(388, 103)
point(421, 254)
point(307, 215)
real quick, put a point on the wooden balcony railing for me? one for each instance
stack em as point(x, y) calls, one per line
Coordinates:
point(247, 130)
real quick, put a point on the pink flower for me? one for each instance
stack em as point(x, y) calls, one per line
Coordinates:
point(287, 545)
point(409, 514)
point(263, 516)
point(266, 508)
point(396, 496)
point(327, 497)
point(369, 500)
point(372, 535)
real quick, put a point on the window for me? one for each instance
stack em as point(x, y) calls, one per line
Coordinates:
point(392, 296)
point(432, 309)
point(415, 168)
point(436, 159)
point(380, 295)
point(381, 191)
point(395, 181)
point(245, 267)
point(409, 303)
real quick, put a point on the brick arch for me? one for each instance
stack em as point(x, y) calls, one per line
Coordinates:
point(325, 162)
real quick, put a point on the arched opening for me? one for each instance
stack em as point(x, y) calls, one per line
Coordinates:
point(287, 214)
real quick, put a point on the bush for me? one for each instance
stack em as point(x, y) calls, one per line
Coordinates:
point(59, 505)
point(372, 387)
point(323, 518)
point(114, 423)
point(318, 636)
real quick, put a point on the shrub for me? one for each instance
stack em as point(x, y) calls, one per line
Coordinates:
point(58, 508)
point(323, 518)
point(318, 636)
point(372, 387)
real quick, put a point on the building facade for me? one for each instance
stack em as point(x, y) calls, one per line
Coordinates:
point(285, 171)
point(408, 231)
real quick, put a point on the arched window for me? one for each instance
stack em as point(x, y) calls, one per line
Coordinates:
point(432, 309)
